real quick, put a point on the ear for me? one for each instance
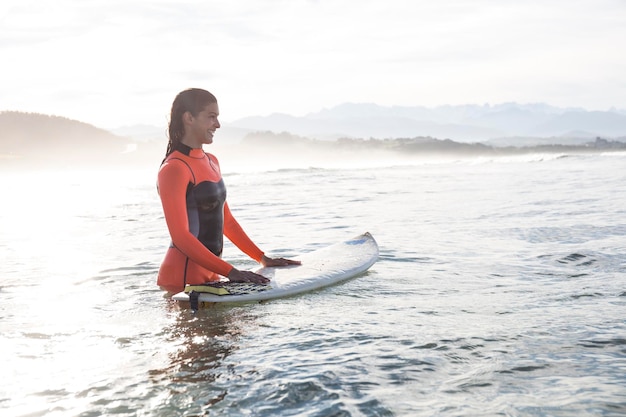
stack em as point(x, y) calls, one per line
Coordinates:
point(187, 117)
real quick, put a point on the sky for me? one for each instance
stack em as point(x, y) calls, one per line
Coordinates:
point(116, 63)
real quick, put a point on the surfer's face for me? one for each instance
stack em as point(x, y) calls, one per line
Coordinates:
point(202, 127)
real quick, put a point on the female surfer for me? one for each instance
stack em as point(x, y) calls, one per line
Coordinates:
point(193, 196)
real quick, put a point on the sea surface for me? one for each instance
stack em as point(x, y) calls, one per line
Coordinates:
point(500, 291)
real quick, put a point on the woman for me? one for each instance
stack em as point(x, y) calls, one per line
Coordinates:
point(193, 195)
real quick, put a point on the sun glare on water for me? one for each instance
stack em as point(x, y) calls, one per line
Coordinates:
point(52, 224)
point(55, 246)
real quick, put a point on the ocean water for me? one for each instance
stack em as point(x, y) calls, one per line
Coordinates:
point(500, 291)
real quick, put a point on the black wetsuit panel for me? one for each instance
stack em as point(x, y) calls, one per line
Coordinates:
point(205, 211)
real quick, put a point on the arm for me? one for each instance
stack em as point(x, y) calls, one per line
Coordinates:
point(173, 180)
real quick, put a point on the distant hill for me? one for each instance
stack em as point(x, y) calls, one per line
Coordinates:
point(467, 123)
point(23, 133)
point(38, 138)
point(424, 146)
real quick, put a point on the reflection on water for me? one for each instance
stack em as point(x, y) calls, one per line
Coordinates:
point(204, 339)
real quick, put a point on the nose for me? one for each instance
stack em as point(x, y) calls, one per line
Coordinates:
point(217, 124)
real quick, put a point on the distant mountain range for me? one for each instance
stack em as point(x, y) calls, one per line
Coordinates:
point(408, 131)
point(468, 123)
point(500, 125)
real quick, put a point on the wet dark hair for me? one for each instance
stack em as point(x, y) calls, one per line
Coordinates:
point(192, 100)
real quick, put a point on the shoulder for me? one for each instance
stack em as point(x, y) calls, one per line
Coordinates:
point(175, 168)
point(214, 161)
point(212, 158)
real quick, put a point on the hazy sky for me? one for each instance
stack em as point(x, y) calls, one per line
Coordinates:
point(113, 63)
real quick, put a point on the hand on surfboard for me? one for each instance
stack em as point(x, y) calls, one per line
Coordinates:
point(265, 261)
point(246, 276)
point(249, 276)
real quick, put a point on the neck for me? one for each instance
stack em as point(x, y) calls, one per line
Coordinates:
point(191, 143)
point(181, 147)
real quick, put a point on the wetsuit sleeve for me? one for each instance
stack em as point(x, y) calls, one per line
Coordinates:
point(173, 179)
point(235, 234)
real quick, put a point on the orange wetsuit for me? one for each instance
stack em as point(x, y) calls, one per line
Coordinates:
point(193, 195)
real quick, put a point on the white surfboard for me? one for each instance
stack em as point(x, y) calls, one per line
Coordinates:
point(320, 268)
